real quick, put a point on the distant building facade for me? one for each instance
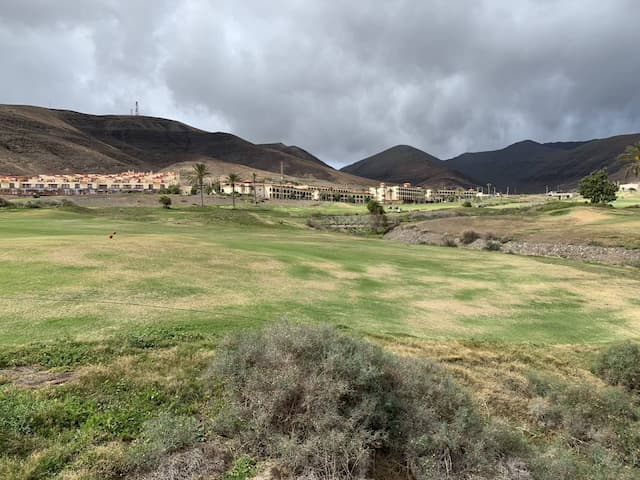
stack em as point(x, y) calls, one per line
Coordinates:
point(290, 191)
point(83, 184)
point(406, 193)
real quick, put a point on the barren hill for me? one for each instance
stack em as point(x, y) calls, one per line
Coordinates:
point(404, 163)
point(530, 166)
point(40, 140)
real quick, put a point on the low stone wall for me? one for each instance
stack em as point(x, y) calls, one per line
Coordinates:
point(352, 223)
point(587, 253)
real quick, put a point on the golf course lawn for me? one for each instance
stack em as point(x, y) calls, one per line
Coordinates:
point(212, 270)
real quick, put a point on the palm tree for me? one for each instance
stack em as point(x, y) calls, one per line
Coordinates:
point(632, 154)
point(200, 172)
point(232, 179)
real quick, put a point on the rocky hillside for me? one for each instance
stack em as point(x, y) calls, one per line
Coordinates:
point(40, 140)
point(404, 163)
point(530, 166)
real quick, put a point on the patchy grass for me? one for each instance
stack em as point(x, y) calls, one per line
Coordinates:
point(204, 271)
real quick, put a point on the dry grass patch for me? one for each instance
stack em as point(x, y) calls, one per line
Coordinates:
point(32, 377)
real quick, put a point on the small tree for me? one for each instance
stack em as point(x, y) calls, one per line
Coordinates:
point(165, 201)
point(597, 187)
point(632, 155)
point(233, 178)
point(375, 207)
point(379, 219)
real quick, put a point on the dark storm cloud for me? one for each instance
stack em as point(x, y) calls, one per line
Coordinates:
point(342, 79)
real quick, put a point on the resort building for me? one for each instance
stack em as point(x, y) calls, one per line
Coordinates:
point(79, 184)
point(289, 191)
point(560, 195)
point(406, 193)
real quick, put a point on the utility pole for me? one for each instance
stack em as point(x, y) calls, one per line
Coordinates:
point(507, 190)
point(281, 172)
point(489, 189)
point(255, 195)
point(137, 111)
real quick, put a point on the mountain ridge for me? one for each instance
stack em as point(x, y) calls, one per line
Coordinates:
point(532, 167)
point(40, 140)
point(407, 164)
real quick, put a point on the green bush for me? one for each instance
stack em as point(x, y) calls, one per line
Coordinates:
point(467, 204)
point(324, 405)
point(620, 365)
point(448, 241)
point(5, 203)
point(165, 201)
point(243, 468)
point(469, 236)
point(493, 246)
point(171, 190)
point(161, 435)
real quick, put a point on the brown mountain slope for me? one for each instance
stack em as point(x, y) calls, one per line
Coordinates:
point(404, 163)
point(293, 150)
point(39, 140)
point(529, 166)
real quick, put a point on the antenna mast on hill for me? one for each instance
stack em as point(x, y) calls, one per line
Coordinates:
point(137, 111)
point(282, 172)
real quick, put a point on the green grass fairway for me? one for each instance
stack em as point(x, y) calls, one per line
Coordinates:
point(208, 271)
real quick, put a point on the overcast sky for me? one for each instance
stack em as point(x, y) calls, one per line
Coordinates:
point(342, 79)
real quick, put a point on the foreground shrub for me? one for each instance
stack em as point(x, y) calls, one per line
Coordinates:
point(620, 365)
point(4, 203)
point(324, 405)
point(590, 420)
point(467, 204)
point(469, 236)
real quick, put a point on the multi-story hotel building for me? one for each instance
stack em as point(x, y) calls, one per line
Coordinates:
point(288, 191)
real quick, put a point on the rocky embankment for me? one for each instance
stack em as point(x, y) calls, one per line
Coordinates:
point(587, 253)
point(358, 224)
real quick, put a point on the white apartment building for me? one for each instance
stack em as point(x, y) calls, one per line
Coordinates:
point(404, 193)
point(75, 184)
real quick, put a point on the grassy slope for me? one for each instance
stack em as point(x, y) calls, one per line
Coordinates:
point(133, 320)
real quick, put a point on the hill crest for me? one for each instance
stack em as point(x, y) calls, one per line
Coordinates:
point(39, 140)
point(404, 163)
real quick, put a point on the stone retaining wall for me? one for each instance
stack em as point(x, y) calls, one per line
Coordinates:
point(352, 223)
point(588, 253)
